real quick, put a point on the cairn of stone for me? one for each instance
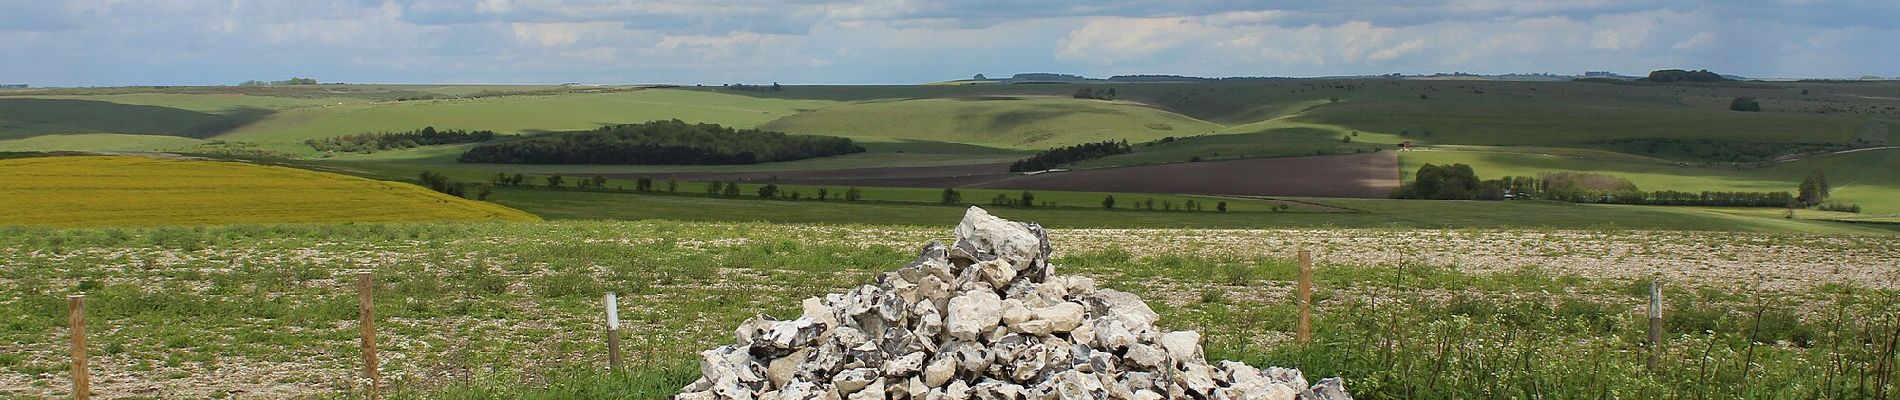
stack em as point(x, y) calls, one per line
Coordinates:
point(985, 318)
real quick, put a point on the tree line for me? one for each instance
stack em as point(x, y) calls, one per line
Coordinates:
point(660, 142)
point(1087, 93)
point(379, 141)
point(1460, 182)
point(1677, 75)
point(1060, 156)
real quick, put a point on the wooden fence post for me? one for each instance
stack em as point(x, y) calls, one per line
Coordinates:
point(1655, 321)
point(366, 313)
point(613, 332)
point(82, 379)
point(1305, 333)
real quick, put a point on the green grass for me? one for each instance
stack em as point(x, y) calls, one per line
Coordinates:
point(515, 114)
point(1007, 122)
point(1375, 213)
point(1866, 177)
point(99, 142)
point(511, 310)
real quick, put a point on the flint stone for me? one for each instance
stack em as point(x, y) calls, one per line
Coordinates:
point(1182, 345)
point(1327, 389)
point(1062, 317)
point(940, 371)
point(1124, 306)
point(973, 314)
point(1017, 243)
point(907, 365)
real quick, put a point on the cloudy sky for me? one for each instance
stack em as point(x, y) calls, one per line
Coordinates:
point(122, 42)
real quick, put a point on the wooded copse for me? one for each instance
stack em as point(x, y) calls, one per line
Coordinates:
point(660, 142)
point(1060, 156)
point(1460, 182)
point(378, 141)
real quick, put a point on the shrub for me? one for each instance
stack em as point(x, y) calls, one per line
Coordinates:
point(1744, 104)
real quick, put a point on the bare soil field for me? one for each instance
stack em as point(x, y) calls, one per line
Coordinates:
point(1357, 175)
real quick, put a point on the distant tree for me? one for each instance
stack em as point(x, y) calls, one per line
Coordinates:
point(951, 196)
point(732, 189)
point(776, 87)
point(1422, 96)
point(644, 184)
point(672, 185)
point(1677, 75)
point(713, 187)
point(517, 180)
point(1000, 200)
point(1028, 199)
point(1222, 207)
point(600, 182)
point(484, 191)
point(1747, 104)
point(768, 191)
point(797, 196)
point(979, 77)
point(1084, 93)
point(823, 194)
point(1814, 189)
point(1452, 182)
point(501, 178)
point(853, 194)
point(554, 181)
point(1167, 205)
point(1108, 202)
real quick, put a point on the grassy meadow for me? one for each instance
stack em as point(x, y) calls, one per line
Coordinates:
point(511, 310)
point(120, 191)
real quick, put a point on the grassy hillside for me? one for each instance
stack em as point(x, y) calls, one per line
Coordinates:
point(99, 142)
point(117, 191)
point(1866, 177)
point(512, 114)
point(1009, 122)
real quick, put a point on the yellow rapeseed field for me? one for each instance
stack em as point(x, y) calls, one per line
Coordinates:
point(71, 191)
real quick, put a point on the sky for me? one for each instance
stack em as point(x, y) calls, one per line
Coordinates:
point(217, 42)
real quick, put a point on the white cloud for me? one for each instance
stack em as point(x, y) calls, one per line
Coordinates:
point(885, 41)
point(1700, 40)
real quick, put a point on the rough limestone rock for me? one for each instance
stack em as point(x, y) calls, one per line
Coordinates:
point(983, 318)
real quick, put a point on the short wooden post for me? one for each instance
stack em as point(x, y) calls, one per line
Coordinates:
point(613, 332)
point(1655, 321)
point(366, 313)
point(1306, 297)
point(82, 380)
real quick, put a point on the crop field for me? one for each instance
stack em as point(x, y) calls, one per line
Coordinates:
point(117, 191)
point(1303, 213)
point(1009, 122)
point(511, 310)
point(99, 142)
point(1869, 178)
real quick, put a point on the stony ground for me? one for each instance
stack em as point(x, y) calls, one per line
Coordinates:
point(269, 312)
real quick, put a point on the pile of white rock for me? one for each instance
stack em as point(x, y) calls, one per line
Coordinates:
point(986, 318)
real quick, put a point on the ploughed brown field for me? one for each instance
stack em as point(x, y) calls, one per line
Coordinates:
point(1355, 175)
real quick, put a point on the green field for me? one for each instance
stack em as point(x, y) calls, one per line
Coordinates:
point(1502, 128)
point(1010, 122)
point(99, 142)
point(1869, 178)
point(1362, 213)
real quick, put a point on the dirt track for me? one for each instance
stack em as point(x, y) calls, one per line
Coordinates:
point(1357, 175)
